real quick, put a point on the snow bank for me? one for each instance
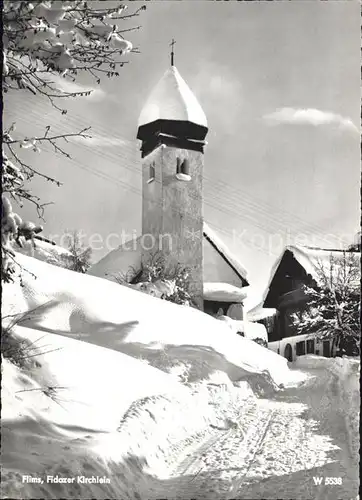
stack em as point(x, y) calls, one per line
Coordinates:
point(61, 416)
point(340, 366)
point(85, 407)
point(114, 316)
point(95, 384)
point(109, 416)
point(347, 373)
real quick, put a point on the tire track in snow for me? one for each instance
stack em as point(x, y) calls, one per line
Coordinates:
point(267, 417)
point(303, 444)
point(216, 463)
point(189, 464)
point(276, 449)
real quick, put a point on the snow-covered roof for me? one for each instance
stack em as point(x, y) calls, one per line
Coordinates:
point(128, 256)
point(172, 99)
point(224, 251)
point(224, 292)
point(259, 313)
point(312, 259)
point(122, 259)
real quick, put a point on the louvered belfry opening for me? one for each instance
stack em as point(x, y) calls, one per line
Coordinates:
point(182, 166)
point(152, 171)
point(183, 169)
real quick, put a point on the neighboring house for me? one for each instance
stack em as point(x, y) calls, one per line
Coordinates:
point(296, 267)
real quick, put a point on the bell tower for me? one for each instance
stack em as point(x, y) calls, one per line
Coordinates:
point(172, 127)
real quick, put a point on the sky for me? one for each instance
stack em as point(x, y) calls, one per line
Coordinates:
point(279, 83)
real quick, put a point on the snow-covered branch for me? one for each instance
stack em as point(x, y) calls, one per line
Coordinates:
point(66, 38)
point(43, 40)
point(332, 310)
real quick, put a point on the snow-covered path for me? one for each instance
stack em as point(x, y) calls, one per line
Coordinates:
point(280, 446)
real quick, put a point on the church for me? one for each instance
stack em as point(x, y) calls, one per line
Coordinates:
point(172, 128)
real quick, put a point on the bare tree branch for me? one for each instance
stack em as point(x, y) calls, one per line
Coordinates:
point(43, 41)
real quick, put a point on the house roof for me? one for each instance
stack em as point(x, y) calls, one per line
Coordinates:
point(128, 256)
point(225, 253)
point(122, 259)
point(224, 292)
point(172, 99)
point(312, 259)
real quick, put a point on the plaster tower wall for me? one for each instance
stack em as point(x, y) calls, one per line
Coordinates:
point(172, 213)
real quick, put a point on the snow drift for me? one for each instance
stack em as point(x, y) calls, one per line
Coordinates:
point(110, 315)
point(84, 411)
point(346, 371)
point(88, 403)
point(62, 416)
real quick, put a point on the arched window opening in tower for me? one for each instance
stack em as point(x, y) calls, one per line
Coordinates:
point(152, 173)
point(183, 170)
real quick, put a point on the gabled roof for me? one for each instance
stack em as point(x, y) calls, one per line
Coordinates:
point(312, 259)
point(225, 253)
point(128, 256)
point(120, 260)
point(172, 99)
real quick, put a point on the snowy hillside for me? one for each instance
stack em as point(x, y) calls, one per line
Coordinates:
point(45, 251)
point(89, 417)
point(346, 372)
point(84, 426)
point(75, 390)
point(114, 316)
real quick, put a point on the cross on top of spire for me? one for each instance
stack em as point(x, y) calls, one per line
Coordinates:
point(172, 52)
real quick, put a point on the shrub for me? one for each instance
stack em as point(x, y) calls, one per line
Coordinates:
point(172, 283)
point(261, 341)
